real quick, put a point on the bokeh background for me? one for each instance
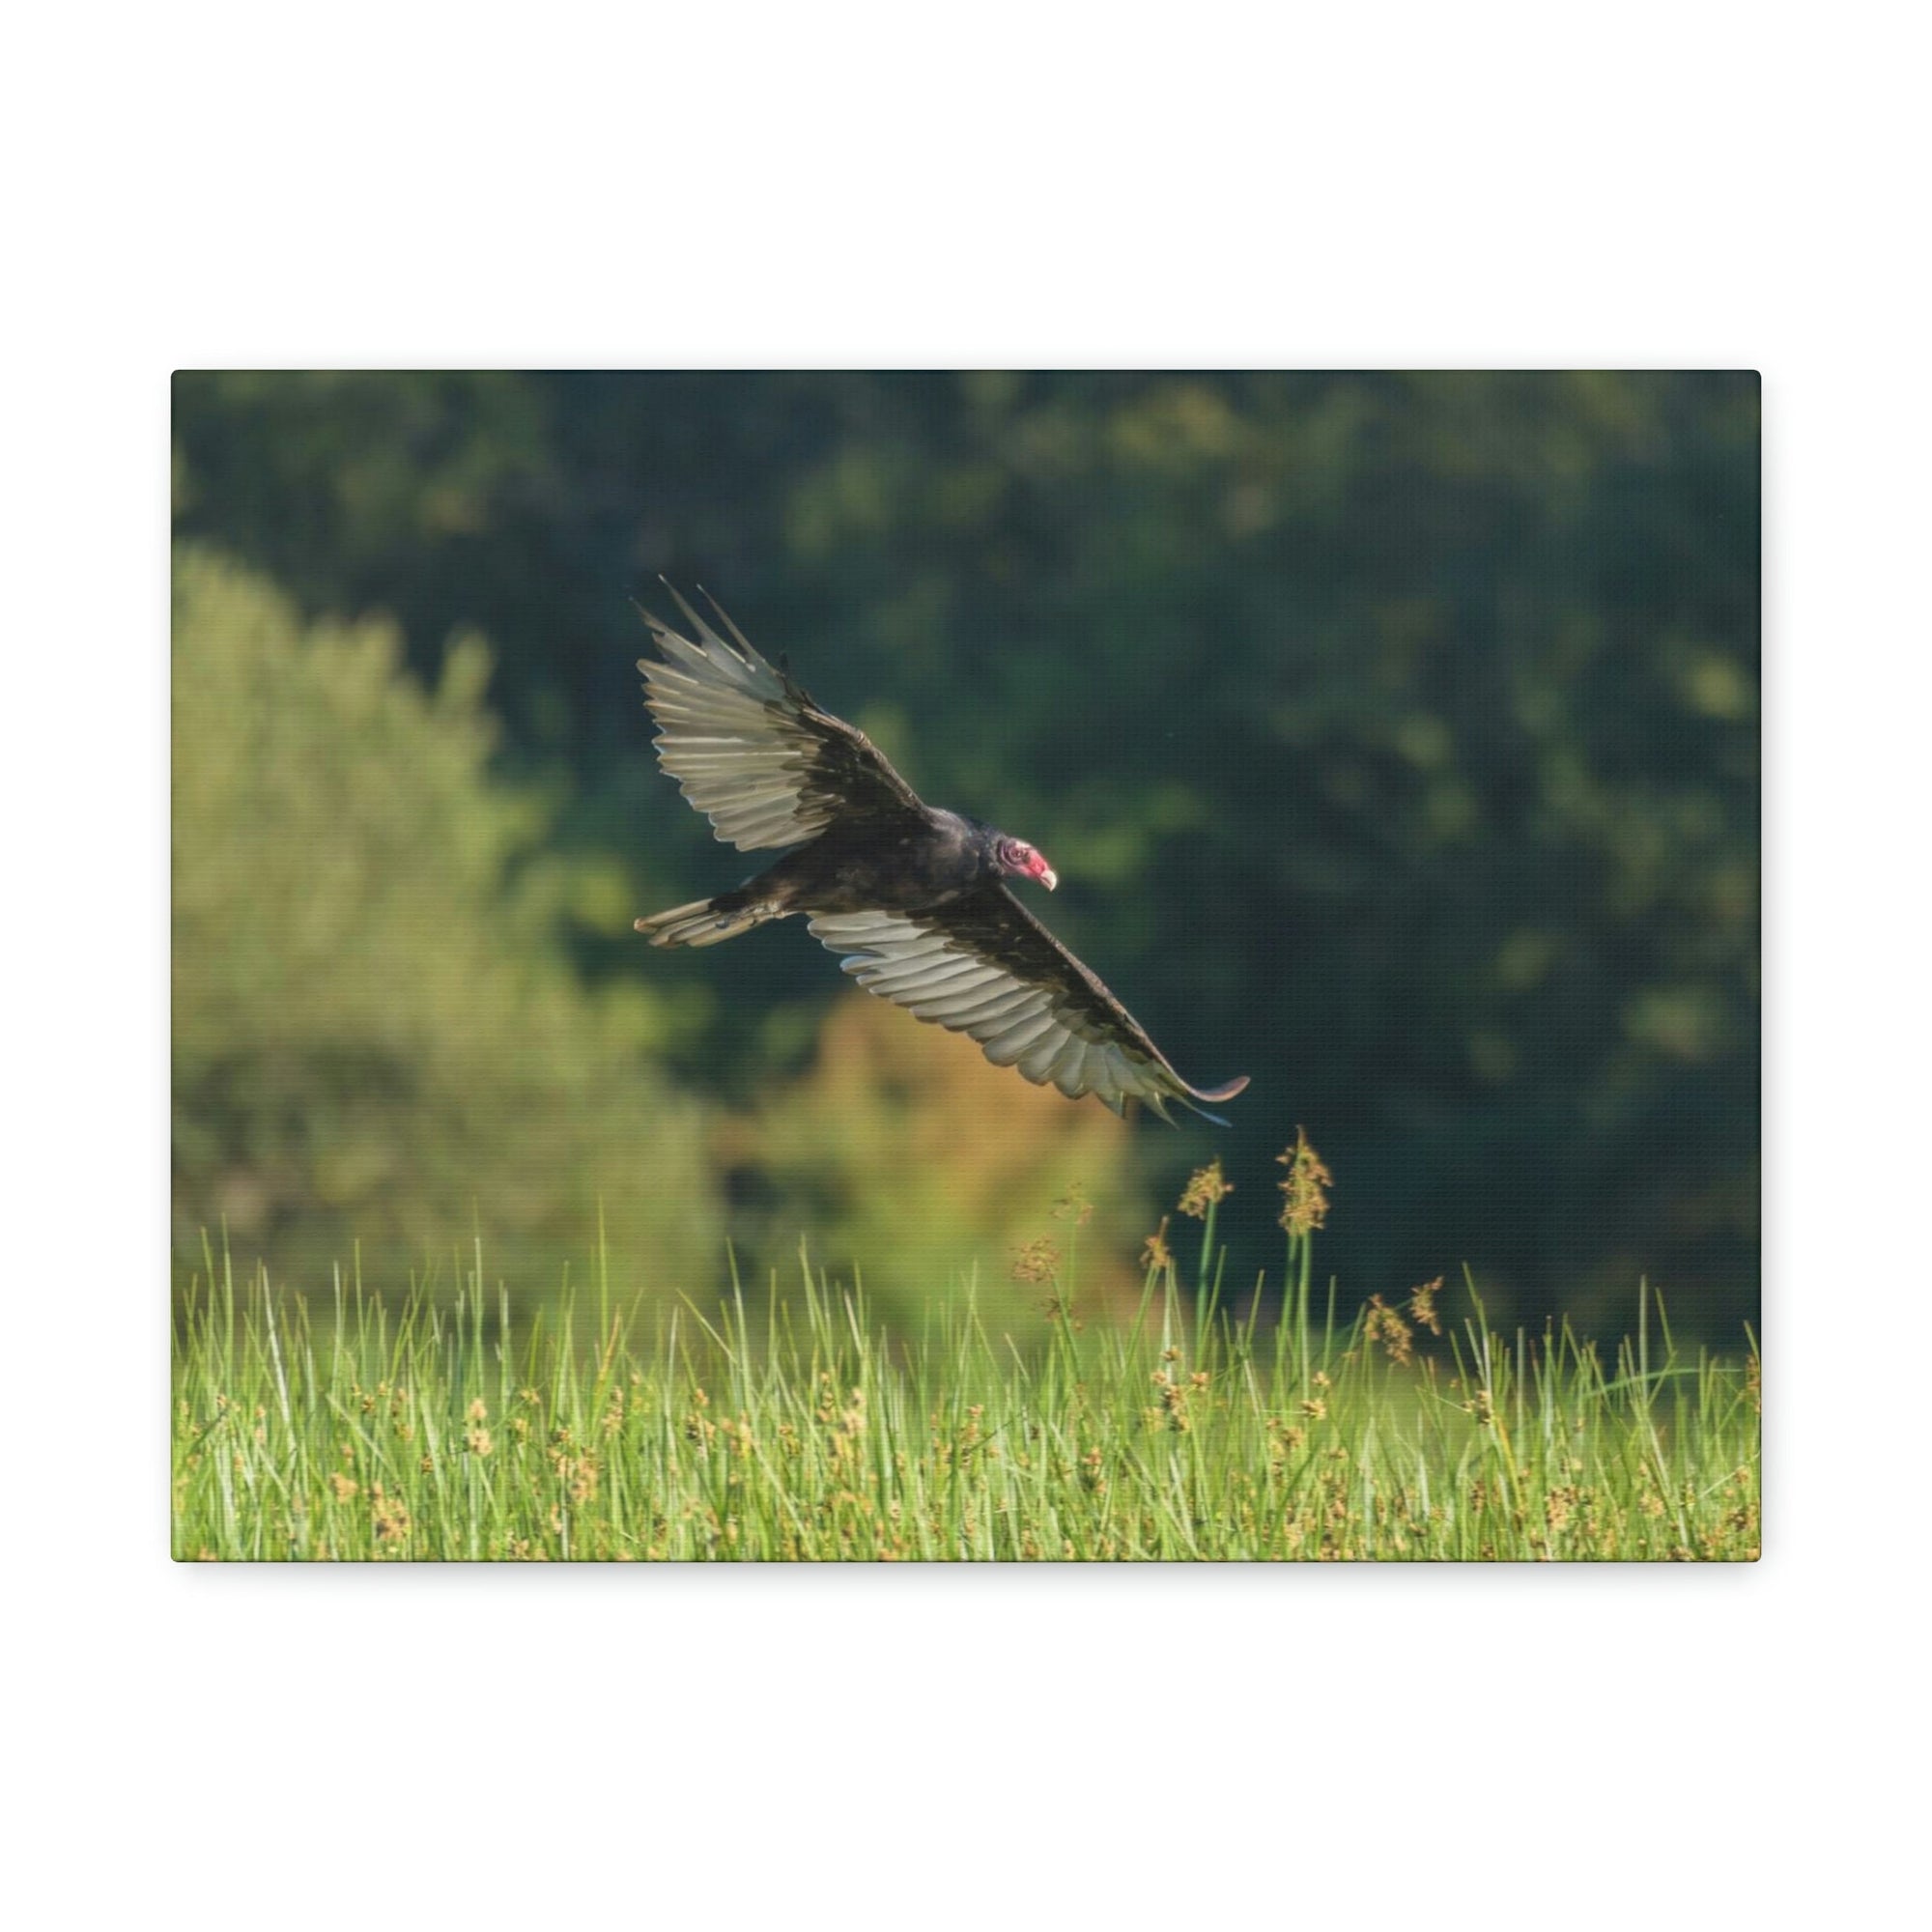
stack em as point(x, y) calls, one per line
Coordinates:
point(1395, 736)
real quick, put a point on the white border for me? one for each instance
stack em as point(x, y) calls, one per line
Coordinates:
point(1657, 187)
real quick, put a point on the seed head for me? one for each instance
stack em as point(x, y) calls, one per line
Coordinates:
point(1073, 1206)
point(1037, 1262)
point(1422, 1305)
point(1205, 1187)
point(1306, 1207)
point(1155, 1252)
point(1381, 1323)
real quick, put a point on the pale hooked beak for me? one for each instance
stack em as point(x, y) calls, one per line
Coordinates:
point(1048, 877)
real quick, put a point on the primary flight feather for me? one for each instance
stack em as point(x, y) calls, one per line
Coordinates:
point(913, 898)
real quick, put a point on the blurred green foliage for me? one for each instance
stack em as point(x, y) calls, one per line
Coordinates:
point(376, 1034)
point(1395, 735)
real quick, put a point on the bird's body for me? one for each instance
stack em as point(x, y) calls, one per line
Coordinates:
point(911, 867)
point(913, 897)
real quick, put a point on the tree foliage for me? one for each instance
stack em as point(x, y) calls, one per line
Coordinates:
point(376, 1035)
point(1395, 735)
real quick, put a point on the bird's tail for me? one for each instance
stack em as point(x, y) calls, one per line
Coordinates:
point(705, 921)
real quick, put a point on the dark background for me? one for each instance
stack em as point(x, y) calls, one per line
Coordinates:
point(1395, 737)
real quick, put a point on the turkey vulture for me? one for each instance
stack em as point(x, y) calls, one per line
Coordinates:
point(911, 897)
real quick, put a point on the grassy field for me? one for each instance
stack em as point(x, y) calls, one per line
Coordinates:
point(781, 1425)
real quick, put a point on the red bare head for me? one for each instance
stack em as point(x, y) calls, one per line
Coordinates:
point(1023, 861)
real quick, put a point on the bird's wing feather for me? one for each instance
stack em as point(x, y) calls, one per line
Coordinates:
point(984, 966)
point(750, 749)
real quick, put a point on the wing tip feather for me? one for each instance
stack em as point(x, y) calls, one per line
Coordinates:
point(1192, 1096)
point(1226, 1091)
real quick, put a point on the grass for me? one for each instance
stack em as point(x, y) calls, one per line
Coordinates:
point(442, 1427)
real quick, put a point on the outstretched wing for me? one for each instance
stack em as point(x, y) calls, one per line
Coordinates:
point(750, 749)
point(983, 965)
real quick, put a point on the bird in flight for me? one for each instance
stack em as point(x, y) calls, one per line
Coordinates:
point(913, 898)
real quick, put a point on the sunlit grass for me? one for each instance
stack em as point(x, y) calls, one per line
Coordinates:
point(781, 1425)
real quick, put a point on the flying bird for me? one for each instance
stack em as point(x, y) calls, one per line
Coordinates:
point(913, 898)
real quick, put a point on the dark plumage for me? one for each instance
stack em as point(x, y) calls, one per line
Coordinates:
point(911, 897)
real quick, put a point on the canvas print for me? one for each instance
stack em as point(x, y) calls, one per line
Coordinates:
point(990, 966)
